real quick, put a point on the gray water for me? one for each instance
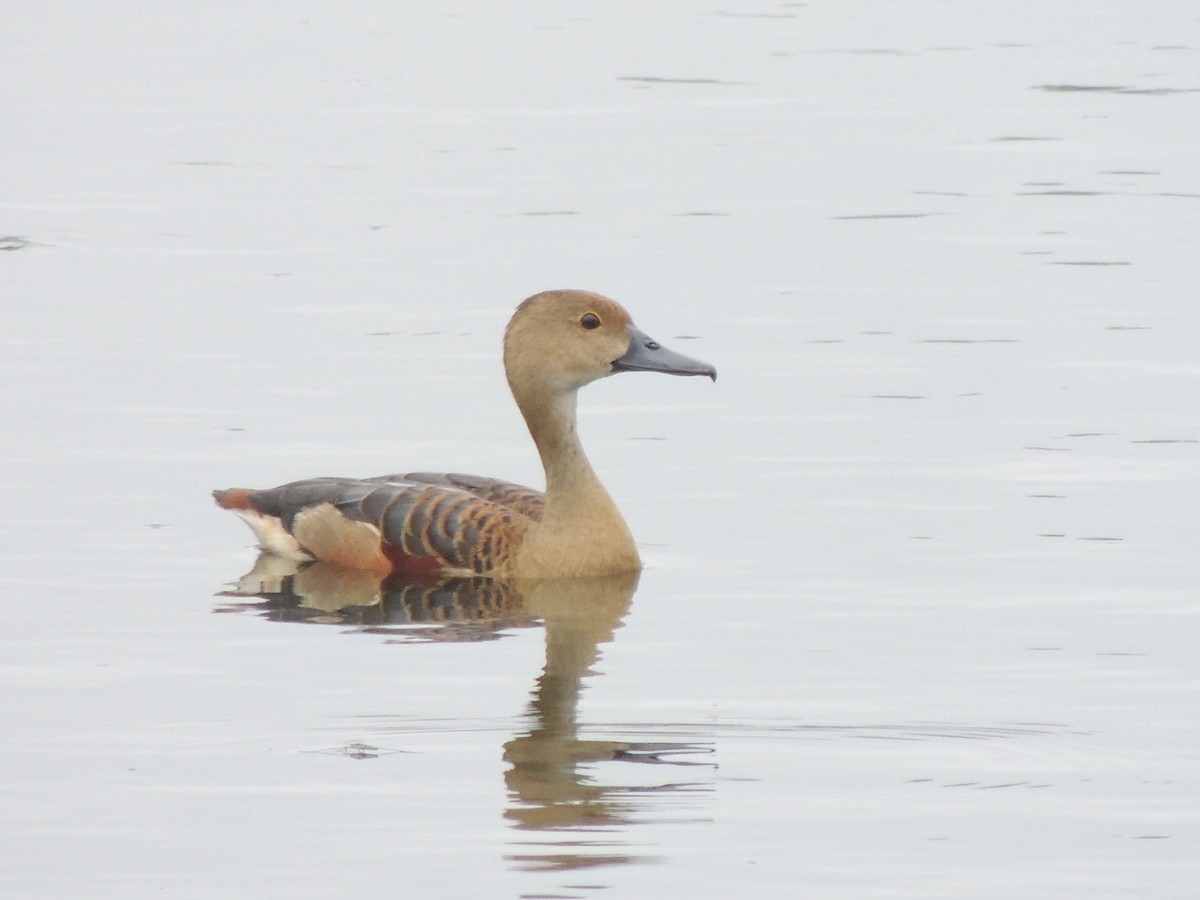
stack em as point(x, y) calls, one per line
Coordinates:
point(920, 611)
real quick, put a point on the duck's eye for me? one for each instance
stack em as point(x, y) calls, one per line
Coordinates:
point(589, 321)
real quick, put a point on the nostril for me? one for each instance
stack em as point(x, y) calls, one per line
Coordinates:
point(653, 345)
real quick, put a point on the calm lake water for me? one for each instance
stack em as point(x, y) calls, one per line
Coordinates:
point(920, 612)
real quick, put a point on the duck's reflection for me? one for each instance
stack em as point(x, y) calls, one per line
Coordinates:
point(554, 779)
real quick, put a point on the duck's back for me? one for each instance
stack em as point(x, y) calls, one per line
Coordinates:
point(419, 524)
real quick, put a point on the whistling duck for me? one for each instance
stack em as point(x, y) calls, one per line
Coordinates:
point(423, 525)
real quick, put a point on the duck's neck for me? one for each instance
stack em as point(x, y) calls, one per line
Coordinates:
point(569, 475)
point(582, 532)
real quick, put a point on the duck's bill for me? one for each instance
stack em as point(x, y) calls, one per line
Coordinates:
point(647, 355)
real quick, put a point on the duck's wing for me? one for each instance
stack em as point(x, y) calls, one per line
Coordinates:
point(520, 499)
point(390, 524)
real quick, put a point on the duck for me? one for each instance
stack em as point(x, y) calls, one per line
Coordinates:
point(424, 526)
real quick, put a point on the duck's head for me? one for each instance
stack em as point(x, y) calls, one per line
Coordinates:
point(566, 339)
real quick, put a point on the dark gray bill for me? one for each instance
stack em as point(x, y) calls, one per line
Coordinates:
point(647, 355)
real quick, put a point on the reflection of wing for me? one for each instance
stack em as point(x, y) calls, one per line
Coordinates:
point(464, 609)
point(415, 525)
point(455, 601)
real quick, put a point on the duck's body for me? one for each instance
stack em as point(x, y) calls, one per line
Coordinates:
point(423, 525)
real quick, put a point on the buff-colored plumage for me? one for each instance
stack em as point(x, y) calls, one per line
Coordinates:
point(422, 525)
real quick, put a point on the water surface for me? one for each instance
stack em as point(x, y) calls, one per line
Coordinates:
point(919, 616)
